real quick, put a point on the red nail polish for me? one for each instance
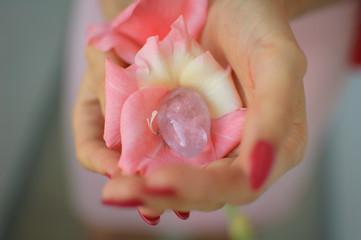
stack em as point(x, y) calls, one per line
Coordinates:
point(149, 220)
point(123, 203)
point(159, 191)
point(262, 159)
point(109, 176)
point(182, 215)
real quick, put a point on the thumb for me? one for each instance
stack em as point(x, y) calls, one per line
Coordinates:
point(276, 105)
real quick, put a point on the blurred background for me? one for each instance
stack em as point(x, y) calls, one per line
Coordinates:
point(36, 181)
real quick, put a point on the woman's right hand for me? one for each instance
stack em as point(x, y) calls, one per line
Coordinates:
point(88, 117)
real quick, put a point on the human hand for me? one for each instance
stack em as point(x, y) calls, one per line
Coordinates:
point(255, 38)
point(88, 117)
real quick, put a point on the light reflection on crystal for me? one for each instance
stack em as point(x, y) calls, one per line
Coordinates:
point(184, 121)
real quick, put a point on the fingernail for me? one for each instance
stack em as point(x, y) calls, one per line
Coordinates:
point(123, 203)
point(159, 191)
point(109, 176)
point(262, 159)
point(182, 215)
point(150, 220)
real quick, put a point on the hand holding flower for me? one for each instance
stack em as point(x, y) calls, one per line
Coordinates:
point(125, 32)
point(255, 39)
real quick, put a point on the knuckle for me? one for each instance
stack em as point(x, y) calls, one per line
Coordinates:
point(286, 50)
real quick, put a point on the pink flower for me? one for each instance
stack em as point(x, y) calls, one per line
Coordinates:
point(133, 95)
point(142, 19)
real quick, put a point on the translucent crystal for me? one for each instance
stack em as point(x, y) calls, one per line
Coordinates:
point(184, 121)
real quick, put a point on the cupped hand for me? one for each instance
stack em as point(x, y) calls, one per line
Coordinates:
point(88, 117)
point(254, 37)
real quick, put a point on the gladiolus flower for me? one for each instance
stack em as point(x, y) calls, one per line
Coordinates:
point(135, 96)
point(143, 19)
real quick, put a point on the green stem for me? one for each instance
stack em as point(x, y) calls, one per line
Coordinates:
point(239, 228)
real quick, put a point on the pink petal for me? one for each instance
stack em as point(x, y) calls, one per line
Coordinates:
point(152, 67)
point(137, 137)
point(127, 50)
point(180, 37)
point(226, 132)
point(119, 85)
point(143, 19)
point(97, 30)
point(161, 63)
point(214, 83)
point(142, 150)
point(154, 17)
point(104, 39)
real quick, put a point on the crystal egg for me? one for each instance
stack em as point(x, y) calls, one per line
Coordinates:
point(184, 121)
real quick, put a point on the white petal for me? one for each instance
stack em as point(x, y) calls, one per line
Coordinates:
point(161, 63)
point(153, 69)
point(214, 83)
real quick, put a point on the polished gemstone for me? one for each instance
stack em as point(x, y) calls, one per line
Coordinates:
point(184, 121)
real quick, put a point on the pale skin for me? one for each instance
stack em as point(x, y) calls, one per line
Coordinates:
point(255, 38)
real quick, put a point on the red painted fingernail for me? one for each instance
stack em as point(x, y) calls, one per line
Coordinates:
point(182, 215)
point(159, 191)
point(262, 159)
point(109, 176)
point(125, 203)
point(150, 220)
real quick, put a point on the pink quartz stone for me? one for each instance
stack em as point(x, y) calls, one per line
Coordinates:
point(184, 121)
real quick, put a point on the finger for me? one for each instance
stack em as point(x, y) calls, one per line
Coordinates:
point(205, 189)
point(270, 67)
point(124, 191)
point(182, 215)
point(150, 216)
point(88, 125)
point(276, 111)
